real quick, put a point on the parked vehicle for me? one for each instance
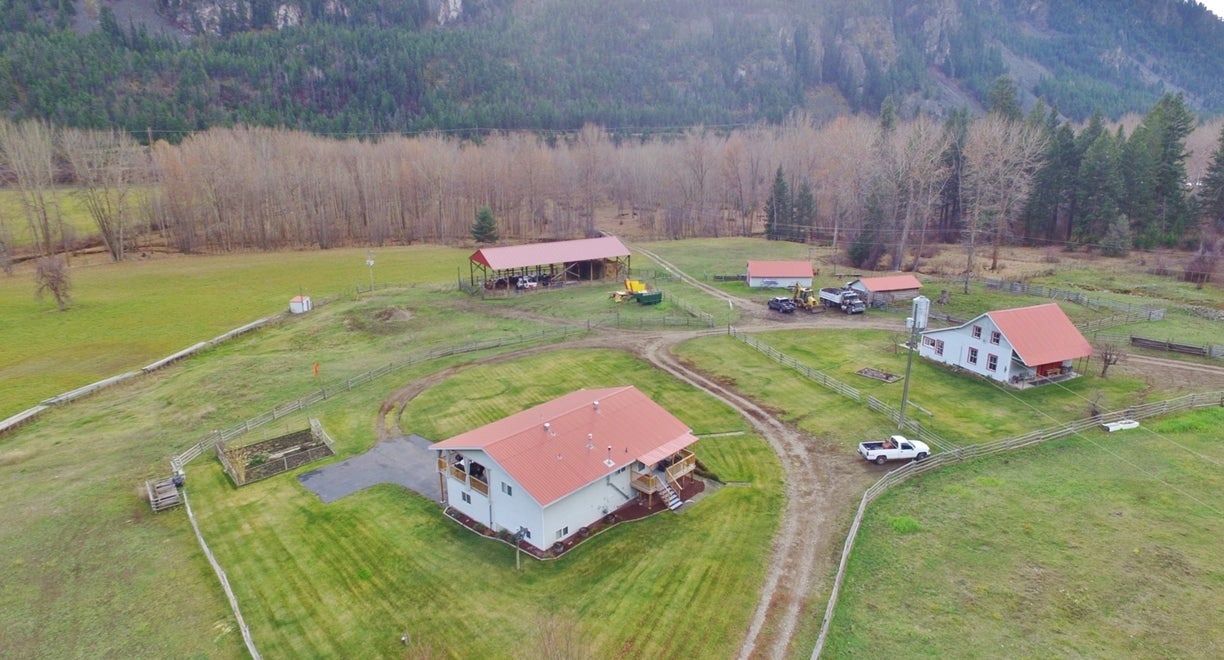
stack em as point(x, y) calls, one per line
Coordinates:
point(895, 448)
point(805, 299)
point(845, 299)
point(527, 282)
point(782, 304)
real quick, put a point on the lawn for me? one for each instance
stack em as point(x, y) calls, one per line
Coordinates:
point(1093, 546)
point(346, 578)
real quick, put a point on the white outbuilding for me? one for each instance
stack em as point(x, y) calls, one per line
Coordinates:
point(779, 274)
point(300, 305)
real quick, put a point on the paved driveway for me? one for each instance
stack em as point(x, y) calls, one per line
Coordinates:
point(406, 461)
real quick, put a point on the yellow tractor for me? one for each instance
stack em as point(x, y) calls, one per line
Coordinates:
point(805, 299)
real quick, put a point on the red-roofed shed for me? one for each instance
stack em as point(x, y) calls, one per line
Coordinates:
point(583, 259)
point(564, 464)
point(771, 274)
point(886, 289)
point(1021, 346)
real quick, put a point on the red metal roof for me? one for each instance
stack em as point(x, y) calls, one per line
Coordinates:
point(1041, 334)
point(890, 283)
point(559, 446)
point(543, 254)
point(779, 269)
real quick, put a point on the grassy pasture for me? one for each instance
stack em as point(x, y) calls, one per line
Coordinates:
point(1093, 546)
point(128, 315)
point(83, 560)
point(72, 208)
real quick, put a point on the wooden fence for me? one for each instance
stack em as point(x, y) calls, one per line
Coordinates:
point(786, 360)
point(225, 584)
point(913, 469)
point(290, 407)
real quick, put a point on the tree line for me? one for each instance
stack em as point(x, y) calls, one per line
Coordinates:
point(879, 189)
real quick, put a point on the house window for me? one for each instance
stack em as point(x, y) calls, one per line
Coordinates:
point(977, 332)
point(939, 347)
point(994, 336)
point(622, 469)
point(973, 356)
point(563, 532)
point(992, 362)
point(927, 341)
point(466, 497)
point(507, 489)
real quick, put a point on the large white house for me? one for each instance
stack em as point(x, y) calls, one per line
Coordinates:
point(779, 274)
point(1025, 345)
point(549, 471)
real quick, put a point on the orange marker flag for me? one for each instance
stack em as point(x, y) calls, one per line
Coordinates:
point(316, 369)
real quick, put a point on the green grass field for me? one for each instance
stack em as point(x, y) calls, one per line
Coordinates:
point(88, 570)
point(1104, 545)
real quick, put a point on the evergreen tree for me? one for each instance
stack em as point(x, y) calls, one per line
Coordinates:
point(1117, 240)
point(778, 220)
point(805, 211)
point(1211, 189)
point(1099, 191)
point(485, 228)
point(1159, 205)
point(1003, 99)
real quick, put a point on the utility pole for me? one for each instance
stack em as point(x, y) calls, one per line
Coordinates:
point(370, 263)
point(916, 323)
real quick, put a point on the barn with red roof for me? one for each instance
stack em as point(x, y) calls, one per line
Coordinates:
point(879, 291)
point(1021, 346)
point(551, 470)
point(555, 262)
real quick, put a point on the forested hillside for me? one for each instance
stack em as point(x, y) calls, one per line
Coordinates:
point(356, 67)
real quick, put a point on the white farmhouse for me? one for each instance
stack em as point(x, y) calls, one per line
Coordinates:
point(779, 274)
point(1021, 346)
point(549, 471)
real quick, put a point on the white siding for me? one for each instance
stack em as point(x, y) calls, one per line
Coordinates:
point(513, 510)
point(778, 282)
point(584, 507)
point(958, 341)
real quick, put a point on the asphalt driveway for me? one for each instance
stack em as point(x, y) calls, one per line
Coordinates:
point(406, 461)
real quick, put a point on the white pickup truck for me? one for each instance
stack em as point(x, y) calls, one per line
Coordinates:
point(895, 448)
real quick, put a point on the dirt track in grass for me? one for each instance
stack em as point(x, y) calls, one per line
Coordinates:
point(823, 486)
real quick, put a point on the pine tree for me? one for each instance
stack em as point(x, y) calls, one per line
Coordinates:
point(485, 229)
point(778, 218)
point(1211, 190)
point(1099, 191)
point(805, 211)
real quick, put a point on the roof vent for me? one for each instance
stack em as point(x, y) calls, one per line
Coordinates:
point(590, 441)
point(597, 405)
point(558, 457)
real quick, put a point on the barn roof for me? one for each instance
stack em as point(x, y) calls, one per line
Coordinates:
point(557, 252)
point(779, 269)
point(557, 447)
point(1041, 334)
point(890, 283)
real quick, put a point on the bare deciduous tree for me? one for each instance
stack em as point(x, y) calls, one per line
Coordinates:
point(51, 276)
point(1110, 354)
point(107, 165)
point(28, 149)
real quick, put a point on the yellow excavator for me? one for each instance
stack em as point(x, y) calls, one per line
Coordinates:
point(805, 299)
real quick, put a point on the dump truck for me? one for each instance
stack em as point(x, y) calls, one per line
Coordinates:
point(845, 299)
point(805, 299)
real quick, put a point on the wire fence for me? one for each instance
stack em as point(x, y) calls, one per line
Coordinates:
point(913, 469)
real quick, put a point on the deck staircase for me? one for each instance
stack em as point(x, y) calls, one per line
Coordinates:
point(671, 497)
point(163, 494)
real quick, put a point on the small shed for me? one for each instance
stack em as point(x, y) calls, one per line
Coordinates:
point(779, 274)
point(300, 305)
point(879, 291)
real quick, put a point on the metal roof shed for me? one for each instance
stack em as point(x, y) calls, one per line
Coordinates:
point(588, 258)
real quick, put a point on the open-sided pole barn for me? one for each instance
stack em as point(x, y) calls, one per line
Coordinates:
point(585, 259)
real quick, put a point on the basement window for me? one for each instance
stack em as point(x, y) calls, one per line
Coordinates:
point(563, 532)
